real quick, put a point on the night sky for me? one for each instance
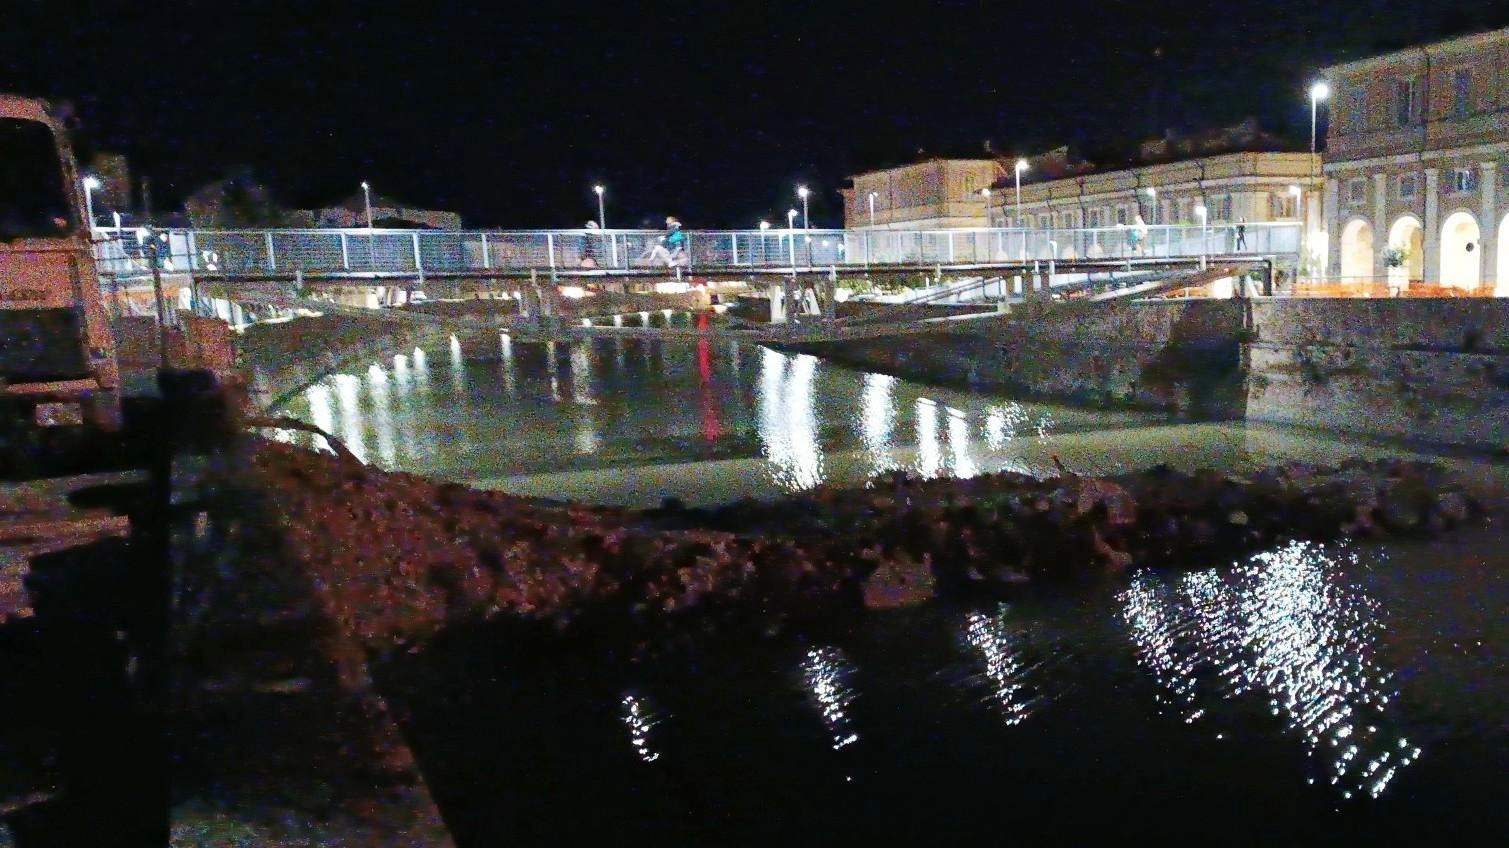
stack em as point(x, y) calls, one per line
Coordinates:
point(710, 111)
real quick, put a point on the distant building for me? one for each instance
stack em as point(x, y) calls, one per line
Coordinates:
point(931, 194)
point(1413, 189)
point(1237, 174)
point(386, 212)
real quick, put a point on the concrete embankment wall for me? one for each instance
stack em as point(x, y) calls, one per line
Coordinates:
point(1429, 370)
point(279, 359)
point(1182, 356)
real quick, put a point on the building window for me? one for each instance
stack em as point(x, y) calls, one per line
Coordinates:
point(1357, 192)
point(1408, 185)
point(969, 185)
point(1044, 222)
point(1285, 206)
point(1464, 180)
point(1092, 218)
point(1406, 101)
point(1121, 216)
point(1071, 220)
point(1357, 109)
point(1461, 92)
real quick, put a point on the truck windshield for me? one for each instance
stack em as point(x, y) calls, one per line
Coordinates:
point(33, 197)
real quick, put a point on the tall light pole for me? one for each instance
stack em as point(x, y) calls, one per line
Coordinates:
point(801, 191)
point(872, 209)
point(1318, 92)
point(791, 236)
point(1304, 230)
point(1152, 194)
point(371, 248)
point(367, 195)
point(764, 225)
point(1021, 165)
point(90, 184)
point(602, 213)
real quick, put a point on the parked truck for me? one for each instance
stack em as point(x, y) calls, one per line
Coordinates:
point(58, 367)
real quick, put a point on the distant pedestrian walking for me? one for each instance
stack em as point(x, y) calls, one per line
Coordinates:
point(671, 249)
point(1241, 235)
point(592, 247)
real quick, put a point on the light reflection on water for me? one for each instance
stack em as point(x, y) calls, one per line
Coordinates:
point(826, 676)
point(1008, 676)
point(1288, 627)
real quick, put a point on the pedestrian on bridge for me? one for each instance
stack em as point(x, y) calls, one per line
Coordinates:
point(591, 247)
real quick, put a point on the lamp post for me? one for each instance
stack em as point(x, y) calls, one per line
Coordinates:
point(1304, 229)
point(602, 222)
point(1021, 165)
point(367, 196)
point(764, 225)
point(371, 249)
point(791, 236)
point(90, 184)
point(1318, 92)
point(1152, 194)
point(872, 208)
point(801, 191)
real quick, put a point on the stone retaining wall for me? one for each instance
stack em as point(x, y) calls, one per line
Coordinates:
point(1428, 370)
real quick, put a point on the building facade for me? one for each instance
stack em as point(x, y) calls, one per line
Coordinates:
point(386, 212)
point(930, 195)
point(1414, 187)
point(1233, 175)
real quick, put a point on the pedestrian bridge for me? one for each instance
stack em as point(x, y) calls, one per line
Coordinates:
point(379, 254)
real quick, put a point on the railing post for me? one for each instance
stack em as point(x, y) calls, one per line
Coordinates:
point(950, 248)
point(735, 238)
point(272, 261)
point(487, 260)
point(418, 261)
point(550, 252)
point(193, 248)
point(345, 254)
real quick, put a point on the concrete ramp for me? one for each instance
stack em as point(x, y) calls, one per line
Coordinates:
point(1186, 280)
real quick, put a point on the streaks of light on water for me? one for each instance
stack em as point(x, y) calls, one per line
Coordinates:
point(877, 418)
point(787, 422)
point(640, 717)
point(1007, 673)
point(1285, 627)
point(348, 394)
point(826, 675)
point(929, 451)
point(382, 414)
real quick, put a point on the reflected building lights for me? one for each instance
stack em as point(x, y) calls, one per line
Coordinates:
point(787, 423)
point(1006, 672)
point(929, 451)
point(421, 371)
point(552, 367)
point(640, 718)
point(581, 372)
point(877, 420)
point(506, 365)
point(825, 675)
point(321, 412)
point(348, 393)
point(1287, 628)
point(458, 370)
point(382, 414)
point(964, 465)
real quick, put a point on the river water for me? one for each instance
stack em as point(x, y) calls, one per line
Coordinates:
point(1310, 695)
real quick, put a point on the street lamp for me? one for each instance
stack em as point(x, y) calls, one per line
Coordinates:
point(764, 225)
point(1200, 211)
point(791, 235)
point(602, 214)
point(1152, 194)
point(367, 196)
point(801, 191)
point(985, 193)
point(1021, 165)
point(1318, 92)
point(90, 184)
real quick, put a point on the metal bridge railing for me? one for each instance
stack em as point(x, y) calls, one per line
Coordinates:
point(337, 251)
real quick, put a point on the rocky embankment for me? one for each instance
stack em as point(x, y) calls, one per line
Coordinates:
point(394, 558)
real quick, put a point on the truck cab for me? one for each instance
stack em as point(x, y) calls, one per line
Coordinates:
point(58, 366)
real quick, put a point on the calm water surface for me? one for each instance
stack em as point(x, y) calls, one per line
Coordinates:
point(1311, 695)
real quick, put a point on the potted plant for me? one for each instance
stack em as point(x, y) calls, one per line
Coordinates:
point(1395, 257)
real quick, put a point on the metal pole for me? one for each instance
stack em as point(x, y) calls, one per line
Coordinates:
point(487, 262)
point(162, 307)
point(1018, 171)
point(1313, 103)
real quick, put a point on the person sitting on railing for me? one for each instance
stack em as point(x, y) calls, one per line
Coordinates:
point(671, 249)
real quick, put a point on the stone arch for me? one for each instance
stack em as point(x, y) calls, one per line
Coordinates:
point(1408, 235)
point(1461, 251)
point(1357, 250)
point(1501, 287)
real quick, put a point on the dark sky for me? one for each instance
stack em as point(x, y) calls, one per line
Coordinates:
point(712, 111)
